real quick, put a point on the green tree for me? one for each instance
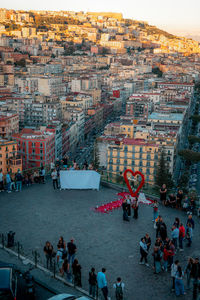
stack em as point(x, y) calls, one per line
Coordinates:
point(163, 175)
point(189, 155)
point(193, 139)
point(183, 181)
point(96, 155)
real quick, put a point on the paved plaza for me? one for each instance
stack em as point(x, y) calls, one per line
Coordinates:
point(39, 213)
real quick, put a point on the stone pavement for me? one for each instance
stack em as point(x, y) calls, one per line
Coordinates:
point(39, 213)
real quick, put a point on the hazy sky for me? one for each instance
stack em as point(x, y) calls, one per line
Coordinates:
point(170, 14)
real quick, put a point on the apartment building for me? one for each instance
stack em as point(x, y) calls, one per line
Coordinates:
point(10, 161)
point(37, 148)
point(9, 124)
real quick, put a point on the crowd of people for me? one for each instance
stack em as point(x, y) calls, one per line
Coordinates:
point(69, 267)
point(14, 182)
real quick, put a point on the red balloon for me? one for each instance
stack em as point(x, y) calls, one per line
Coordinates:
point(134, 194)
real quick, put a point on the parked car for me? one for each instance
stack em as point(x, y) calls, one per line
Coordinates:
point(8, 282)
point(68, 297)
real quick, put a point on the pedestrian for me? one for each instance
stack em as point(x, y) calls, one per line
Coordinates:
point(66, 269)
point(148, 241)
point(195, 275)
point(143, 252)
point(175, 236)
point(48, 251)
point(179, 198)
point(18, 178)
point(102, 283)
point(189, 234)
point(161, 229)
point(128, 201)
point(59, 259)
point(157, 259)
point(174, 268)
point(52, 166)
point(125, 211)
point(62, 243)
point(1, 181)
point(155, 210)
point(76, 270)
point(181, 236)
point(163, 194)
point(190, 221)
point(172, 251)
point(135, 208)
point(166, 254)
point(177, 222)
point(92, 283)
point(54, 177)
point(42, 175)
point(8, 182)
point(119, 289)
point(188, 270)
point(65, 162)
point(71, 250)
point(179, 286)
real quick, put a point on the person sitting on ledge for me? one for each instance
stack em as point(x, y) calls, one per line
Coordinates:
point(171, 201)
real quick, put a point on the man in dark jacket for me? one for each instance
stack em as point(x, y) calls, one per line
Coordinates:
point(195, 275)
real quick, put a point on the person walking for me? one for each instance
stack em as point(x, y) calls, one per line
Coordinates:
point(135, 209)
point(102, 283)
point(76, 270)
point(119, 289)
point(92, 282)
point(155, 210)
point(128, 201)
point(66, 269)
point(175, 236)
point(18, 178)
point(174, 269)
point(48, 251)
point(163, 194)
point(125, 211)
point(189, 234)
point(181, 236)
point(54, 177)
point(71, 250)
point(188, 270)
point(195, 275)
point(8, 182)
point(1, 181)
point(59, 259)
point(161, 229)
point(179, 286)
point(143, 252)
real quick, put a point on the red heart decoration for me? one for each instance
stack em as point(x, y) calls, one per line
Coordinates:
point(133, 194)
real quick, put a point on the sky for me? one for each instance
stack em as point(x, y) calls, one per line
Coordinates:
point(171, 15)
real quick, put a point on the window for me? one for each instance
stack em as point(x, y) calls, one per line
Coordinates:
point(148, 164)
point(117, 169)
point(110, 168)
point(6, 148)
point(110, 161)
point(6, 155)
point(148, 171)
point(140, 169)
point(156, 156)
point(148, 156)
point(169, 152)
point(125, 161)
point(140, 149)
point(133, 163)
point(33, 151)
point(33, 144)
point(140, 164)
point(140, 155)
point(168, 158)
point(41, 145)
point(41, 151)
point(125, 149)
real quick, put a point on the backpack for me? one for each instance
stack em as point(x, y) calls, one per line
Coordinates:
point(119, 292)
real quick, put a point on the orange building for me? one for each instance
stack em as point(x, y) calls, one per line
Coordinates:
point(9, 160)
point(9, 124)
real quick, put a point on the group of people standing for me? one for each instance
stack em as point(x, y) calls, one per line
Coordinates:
point(68, 265)
point(166, 247)
point(127, 205)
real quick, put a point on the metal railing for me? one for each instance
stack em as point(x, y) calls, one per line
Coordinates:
point(37, 258)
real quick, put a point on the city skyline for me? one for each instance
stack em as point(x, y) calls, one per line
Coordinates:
point(173, 17)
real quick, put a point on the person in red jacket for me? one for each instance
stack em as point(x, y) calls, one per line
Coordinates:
point(166, 254)
point(181, 236)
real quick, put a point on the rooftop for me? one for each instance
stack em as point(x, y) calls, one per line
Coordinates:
point(170, 117)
